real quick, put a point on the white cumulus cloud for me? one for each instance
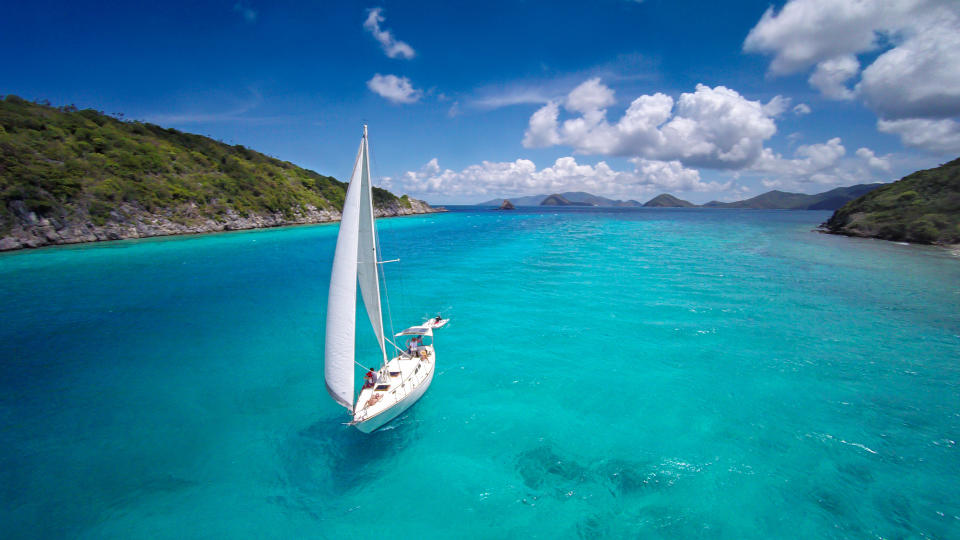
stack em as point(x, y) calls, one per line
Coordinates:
point(831, 76)
point(937, 136)
point(801, 109)
point(392, 46)
point(393, 88)
point(873, 161)
point(824, 164)
point(915, 76)
point(542, 130)
point(590, 96)
point(920, 78)
point(813, 162)
point(807, 32)
point(710, 127)
point(776, 106)
point(672, 176)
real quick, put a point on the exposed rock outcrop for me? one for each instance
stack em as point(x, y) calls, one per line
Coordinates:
point(132, 221)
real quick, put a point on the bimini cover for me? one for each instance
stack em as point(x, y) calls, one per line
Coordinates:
point(416, 331)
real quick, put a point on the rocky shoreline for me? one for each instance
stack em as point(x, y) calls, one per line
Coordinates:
point(131, 221)
point(953, 248)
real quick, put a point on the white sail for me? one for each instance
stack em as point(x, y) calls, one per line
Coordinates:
point(367, 271)
point(401, 381)
point(342, 300)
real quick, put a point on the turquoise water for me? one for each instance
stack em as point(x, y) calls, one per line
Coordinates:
point(607, 373)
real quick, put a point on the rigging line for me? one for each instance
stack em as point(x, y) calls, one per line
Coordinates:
point(386, 294)
point(399, 275)
point(379, 256)
point(379, 252)
point(401, 282)
point(394, 344)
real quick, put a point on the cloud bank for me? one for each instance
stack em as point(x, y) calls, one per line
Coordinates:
point(521, 177)
point(715, 128)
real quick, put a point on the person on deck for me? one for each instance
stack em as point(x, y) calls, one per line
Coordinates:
point(369, 379)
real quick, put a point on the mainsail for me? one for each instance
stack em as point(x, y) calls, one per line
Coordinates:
point(355, 259)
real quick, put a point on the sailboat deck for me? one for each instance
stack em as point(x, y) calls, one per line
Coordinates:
point(404, 377)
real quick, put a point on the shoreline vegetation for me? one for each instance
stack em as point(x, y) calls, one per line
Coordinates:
point(922, 208)
point(71, 176)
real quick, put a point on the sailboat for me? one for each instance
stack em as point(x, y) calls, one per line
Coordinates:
point(399, 381)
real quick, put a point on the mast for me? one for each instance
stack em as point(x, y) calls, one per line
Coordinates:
point(367, 264)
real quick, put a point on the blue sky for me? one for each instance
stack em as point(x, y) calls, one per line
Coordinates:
point(471, 101)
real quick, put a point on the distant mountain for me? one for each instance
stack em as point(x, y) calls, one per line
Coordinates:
point(533, 200)
point(559, 200)
point(666, 200)
point(771, 200)
point(921, 207)
point(782, 200)
point(572, 196)
point(596, 200)
point(507, 205)
point(836, 198)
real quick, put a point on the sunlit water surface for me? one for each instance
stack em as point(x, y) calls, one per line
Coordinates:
point(607, 373)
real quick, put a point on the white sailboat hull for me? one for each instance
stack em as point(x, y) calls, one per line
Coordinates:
point(400, 396)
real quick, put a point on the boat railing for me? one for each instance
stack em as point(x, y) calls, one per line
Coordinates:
point(413, 380)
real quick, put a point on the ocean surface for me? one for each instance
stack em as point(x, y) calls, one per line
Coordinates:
point(607, 373)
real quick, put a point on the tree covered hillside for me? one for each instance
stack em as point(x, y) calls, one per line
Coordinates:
point(922, 207)
point(70, 166)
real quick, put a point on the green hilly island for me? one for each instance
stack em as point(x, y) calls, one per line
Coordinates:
point(665, 200)
point(923, 207)
point(557, 199)
point(784, 200)
point(69, 175)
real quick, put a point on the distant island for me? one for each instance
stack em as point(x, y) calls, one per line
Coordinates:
point(571, 196)
point(69, 176)
point(771, 200)
point(559, 200)
point(783, 200)
point(665, 200)
point(507, 205)
point(923, 207)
